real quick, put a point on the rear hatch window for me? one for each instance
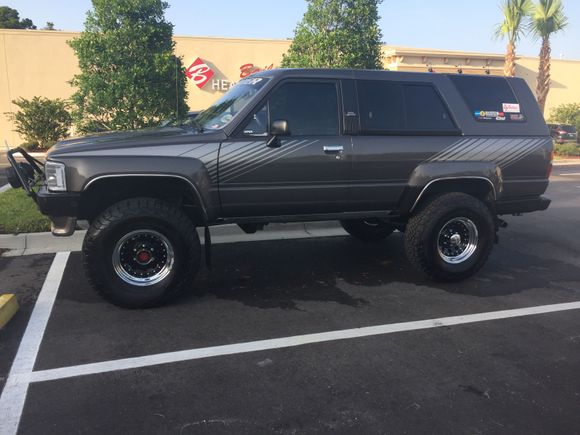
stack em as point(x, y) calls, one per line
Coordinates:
point(490, 99)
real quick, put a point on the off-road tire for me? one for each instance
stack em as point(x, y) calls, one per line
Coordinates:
point(367, 230)
point(423, 232)
point(146, 214)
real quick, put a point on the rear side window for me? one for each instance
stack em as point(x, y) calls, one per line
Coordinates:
point(425, 110)
point(490, 99)
point(399, 108)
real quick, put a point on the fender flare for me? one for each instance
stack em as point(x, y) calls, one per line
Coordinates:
point(427, 174)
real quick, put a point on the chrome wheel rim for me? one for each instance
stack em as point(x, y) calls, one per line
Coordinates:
point(143, 257)
point(457, 240)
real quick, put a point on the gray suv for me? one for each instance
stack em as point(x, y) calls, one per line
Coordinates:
point(438, 157)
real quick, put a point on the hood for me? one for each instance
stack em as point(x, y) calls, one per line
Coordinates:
point(129, 139)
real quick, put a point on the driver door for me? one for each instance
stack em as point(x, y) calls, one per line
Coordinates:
point(308, 173)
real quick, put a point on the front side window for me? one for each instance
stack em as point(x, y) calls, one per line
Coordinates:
point(221, 113)
point(311, 109)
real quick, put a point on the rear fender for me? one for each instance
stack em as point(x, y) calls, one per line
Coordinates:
point(426, 177)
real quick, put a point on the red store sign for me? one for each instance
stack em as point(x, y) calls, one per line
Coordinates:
point(200, 73)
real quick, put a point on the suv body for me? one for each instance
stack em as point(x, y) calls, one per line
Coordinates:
point(437, 156)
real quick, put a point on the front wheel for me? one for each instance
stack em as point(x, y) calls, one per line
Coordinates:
point(450, 237)
point(140, 252)
point(367, 230)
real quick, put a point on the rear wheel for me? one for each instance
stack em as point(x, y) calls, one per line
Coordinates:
point(141, 252)
point(367, 230)
point(450, 237)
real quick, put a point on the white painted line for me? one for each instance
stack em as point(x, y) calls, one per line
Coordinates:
point(14, 394)
point(5, 188)
point(570, 174)
point(278, 343)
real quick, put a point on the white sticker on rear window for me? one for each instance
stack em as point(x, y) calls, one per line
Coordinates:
point(511, 108)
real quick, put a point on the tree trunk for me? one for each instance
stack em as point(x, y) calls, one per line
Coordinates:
point(509, 68)
point(543, 86)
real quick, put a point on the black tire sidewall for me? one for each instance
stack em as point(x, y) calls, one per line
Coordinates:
point(100, 243)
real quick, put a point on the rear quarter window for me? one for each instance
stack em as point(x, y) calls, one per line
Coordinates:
point(490, 99)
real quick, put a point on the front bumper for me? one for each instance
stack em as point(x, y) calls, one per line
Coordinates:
point(525, 205)
point(61, 208)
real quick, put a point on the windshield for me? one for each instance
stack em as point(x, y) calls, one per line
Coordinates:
point(223, 110)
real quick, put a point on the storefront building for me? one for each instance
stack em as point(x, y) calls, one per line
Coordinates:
point(40, 63)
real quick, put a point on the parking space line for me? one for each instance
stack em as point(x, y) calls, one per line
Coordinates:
point(285, 342)
point(16, 388)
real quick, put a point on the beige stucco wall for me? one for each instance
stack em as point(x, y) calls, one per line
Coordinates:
point(565, 86)
point(41, 63)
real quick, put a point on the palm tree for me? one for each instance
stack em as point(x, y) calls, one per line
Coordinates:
point(547, 18)
point(513, 26)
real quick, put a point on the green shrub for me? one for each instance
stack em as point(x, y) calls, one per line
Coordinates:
point(567, 149)
point(41, 120)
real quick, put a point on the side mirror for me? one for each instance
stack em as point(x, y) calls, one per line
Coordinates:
point(278, 128)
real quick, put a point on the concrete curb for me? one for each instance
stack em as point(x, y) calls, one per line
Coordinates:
point(8, 307)
point(565, 162)
point(5, 188)
point(46, 243)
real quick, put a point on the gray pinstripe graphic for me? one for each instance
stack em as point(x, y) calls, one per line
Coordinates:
point(519, 157)
point(239, 155)
point(287, 152)
point(503, 151)
point(518, 149)
point(249, 161)
point(458, 146)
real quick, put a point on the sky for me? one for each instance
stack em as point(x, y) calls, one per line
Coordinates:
point(465, 25)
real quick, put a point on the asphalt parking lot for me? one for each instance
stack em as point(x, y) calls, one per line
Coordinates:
point(200, 365)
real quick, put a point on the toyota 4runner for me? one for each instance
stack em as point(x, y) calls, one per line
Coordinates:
point(438, 157)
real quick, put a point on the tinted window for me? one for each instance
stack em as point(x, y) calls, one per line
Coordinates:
point(489, 98)
point(396, 107)
point(311, 109)
point(425, 110)
point(381, 106)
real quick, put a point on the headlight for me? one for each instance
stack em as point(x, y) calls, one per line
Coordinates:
point(55, 176)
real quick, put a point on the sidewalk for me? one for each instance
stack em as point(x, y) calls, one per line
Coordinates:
point(566, 162)
point(46, 243)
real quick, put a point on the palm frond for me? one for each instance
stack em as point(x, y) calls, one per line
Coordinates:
point(548, 18)
point(515, 20)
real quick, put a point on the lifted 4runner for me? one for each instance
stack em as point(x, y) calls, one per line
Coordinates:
point(438, 157)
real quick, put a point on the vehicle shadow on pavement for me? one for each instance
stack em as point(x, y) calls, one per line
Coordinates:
point(283, 273)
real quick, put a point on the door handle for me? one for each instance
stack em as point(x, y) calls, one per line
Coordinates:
point(333, 149)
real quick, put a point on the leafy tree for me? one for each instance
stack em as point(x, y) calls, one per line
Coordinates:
point(130, 77)
point(547, 18)
point(49, 26)
point(10, 19)
point(512, 28)
point(566, 114)
point(41, 120)
point(337, 34)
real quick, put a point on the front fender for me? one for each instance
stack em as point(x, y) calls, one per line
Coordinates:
point(82, 172)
